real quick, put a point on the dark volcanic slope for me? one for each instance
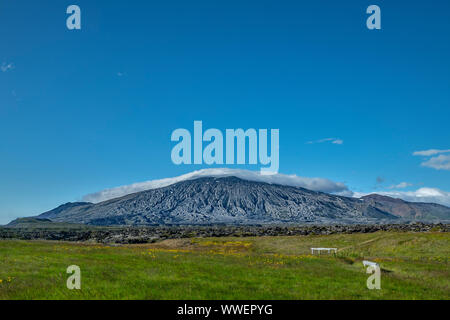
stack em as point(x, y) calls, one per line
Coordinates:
point(233, 200)
point(219, 200)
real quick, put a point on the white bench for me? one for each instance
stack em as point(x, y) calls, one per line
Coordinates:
point(370, 263)
point(319, 250)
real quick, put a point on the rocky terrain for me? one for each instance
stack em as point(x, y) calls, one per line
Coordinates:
point(67, 232)
point(231, 200)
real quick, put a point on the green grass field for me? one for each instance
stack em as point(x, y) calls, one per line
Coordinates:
point(414, 266)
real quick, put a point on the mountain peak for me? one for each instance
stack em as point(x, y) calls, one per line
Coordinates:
point(315, 184)
point(212, 200)
point(233, 200)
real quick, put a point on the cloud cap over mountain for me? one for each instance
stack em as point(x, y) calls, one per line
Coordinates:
point(431, 195)
point(314, 184)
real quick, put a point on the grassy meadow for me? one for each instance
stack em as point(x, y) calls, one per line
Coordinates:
point(414, 266)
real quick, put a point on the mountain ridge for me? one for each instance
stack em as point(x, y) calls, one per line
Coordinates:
point(231, 200)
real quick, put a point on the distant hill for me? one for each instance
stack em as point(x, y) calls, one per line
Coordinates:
point(36, 223)
point(408, 210)
point(28, 221)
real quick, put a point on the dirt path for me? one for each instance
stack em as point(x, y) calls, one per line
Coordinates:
point(362, 243)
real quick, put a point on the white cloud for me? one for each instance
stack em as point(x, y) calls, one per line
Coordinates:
point(430, 195)
point(441, 162)
point(332, 140)
point(315, 184)
point(429, 152)
point(401, 185)
point(7, 66)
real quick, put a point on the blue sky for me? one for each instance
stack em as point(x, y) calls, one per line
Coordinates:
point(85, 110)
